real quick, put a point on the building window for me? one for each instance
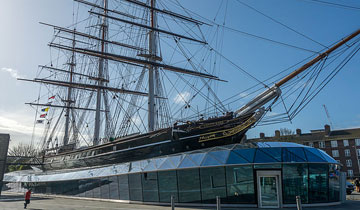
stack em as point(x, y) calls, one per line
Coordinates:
point(348, 163)
point(311, 144)
point(357, 142)
point(350, 173)
point(347, 153)
point(358, 152)
point(346, 143)
point(335, 153)
point(321, 144)
point(334, 144)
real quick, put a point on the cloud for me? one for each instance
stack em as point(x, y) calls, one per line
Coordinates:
point(182, 97)
point(13, 72)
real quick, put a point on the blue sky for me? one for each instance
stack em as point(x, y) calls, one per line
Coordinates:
point(24, 46)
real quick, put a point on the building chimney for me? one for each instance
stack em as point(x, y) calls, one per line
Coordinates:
point(262, 135)
point(327, 130)
point(277, 133)
point(298, 132)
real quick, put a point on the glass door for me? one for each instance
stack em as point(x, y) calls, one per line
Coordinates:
point(268, 189)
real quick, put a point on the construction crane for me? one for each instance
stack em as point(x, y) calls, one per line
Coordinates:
point(328, 115)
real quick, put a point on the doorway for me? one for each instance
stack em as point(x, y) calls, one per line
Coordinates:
point(269, 189)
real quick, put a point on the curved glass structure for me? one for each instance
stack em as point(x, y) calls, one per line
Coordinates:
point(269, 174)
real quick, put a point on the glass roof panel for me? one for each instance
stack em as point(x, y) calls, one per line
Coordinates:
point(278, 144)
point(167, 164)
point(313, 155)
point(159, 162)
point(209, 160)
point(176, 159)
point(293, 154)
point(187, 163)
point(135, 167)
point(247, 154)
point(220, 155)
point(268, 155)
point(197, 157)
point(151, 166)
point(234, 158)
point(327, 157)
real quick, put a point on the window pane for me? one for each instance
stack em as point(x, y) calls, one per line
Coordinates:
point(135, 187)
point(189, 186)
point(240, 184)
point(295, 182)
point(346, 143)
point(333, 143)
point(318, 183)
point(96, 190)
point(114, 187)
point(124, 187)
point(167, 186)
point(334, 183)
point(150, 187)
point(104, 189)
point(212, 183)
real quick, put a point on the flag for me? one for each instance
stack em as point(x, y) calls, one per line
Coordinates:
point(39, 121)
point(42, 115)
point(52, 97)
point(45, 109)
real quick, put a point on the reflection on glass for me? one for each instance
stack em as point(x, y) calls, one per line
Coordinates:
point(167, 185)
point(135, 187)
point(114, 187)
point(240, 184)
point(295, 182)
point(318, 183)
point(189, 186)
point(150, 187)
point(124, 187)
point(212, 184)
point(269, 191)
point(334, 183)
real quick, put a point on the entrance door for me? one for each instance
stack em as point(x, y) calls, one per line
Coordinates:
point(269, 189)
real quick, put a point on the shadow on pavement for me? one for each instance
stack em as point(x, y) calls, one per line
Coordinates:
point(13, 198)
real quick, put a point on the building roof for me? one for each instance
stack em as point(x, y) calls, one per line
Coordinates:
point(315, 135)
point(236, 154)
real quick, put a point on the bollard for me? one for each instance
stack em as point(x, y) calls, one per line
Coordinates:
point(218, 205)
point(298, 203)
point(172, 202)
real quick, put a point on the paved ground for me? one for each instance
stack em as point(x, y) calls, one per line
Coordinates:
point(14, 201)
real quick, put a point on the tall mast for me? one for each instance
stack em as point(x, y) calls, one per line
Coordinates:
point(152, 68)
point(103, 34)
point(68, 100)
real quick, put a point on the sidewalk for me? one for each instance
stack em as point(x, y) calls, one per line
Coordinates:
point(10, 201)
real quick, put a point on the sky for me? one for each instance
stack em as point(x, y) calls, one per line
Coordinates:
point(24, 42)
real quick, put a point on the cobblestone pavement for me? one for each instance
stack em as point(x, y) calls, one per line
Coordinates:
point(15, 201)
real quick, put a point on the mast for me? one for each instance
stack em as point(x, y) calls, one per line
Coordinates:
point(275, 92)
point(68, 100)
point(152, 69)
point(103, 34)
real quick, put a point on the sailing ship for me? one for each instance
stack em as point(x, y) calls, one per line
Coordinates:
point(112, 80)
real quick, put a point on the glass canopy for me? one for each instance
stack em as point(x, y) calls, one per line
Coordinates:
point(237, 154)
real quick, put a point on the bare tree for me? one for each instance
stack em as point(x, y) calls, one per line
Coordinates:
point(286, 132)
point(24, 150)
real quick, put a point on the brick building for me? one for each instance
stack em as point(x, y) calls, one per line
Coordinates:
point(342, 145)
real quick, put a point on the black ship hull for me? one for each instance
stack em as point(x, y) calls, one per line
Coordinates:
point(192, 136)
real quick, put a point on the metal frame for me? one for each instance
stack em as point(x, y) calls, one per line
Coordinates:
point(268, 173)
